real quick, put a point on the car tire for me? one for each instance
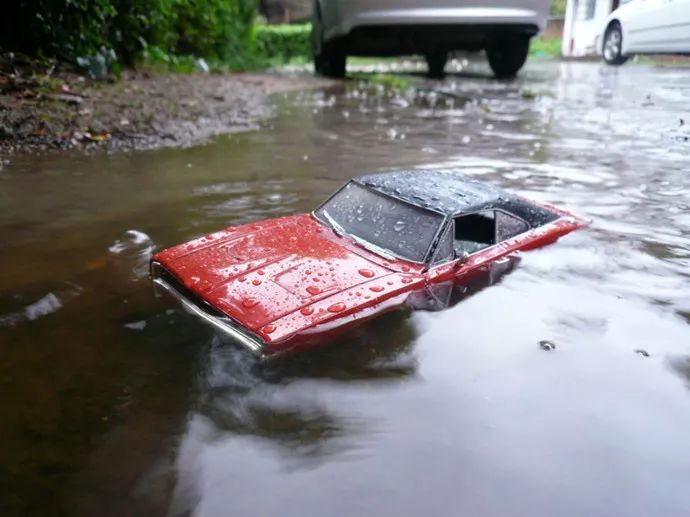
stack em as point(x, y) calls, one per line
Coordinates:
point(436, 63)
point(507, 54)
point(330, 62)
point(330, 59)
point(612, 49)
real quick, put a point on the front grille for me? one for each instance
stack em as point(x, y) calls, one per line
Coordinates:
point(158, 271)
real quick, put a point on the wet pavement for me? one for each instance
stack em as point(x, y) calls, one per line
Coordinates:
point(117, 403)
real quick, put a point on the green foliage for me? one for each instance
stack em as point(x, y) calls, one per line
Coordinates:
point(97, 33)
point(390, 81)
point(218, 29)
point(56, 27)
point(275, 44)
point(558, 7)
point(545, 47)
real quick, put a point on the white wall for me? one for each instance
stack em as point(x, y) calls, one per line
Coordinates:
point(581, 32)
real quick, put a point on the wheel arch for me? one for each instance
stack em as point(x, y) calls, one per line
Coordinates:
point(615, 21)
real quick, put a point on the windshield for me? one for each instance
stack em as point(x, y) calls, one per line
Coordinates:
point(385, 222)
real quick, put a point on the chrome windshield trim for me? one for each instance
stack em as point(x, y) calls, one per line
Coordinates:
point(254, 345)
point(336, 226)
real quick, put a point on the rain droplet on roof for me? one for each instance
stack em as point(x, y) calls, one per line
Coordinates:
point(249, 302)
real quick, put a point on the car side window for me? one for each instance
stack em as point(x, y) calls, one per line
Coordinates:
point(474, 232)
point(444, 250)
point(508, 226)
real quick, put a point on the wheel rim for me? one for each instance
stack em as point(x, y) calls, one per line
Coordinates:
point(612, 45)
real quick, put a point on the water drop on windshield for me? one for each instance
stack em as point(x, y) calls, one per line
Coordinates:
point(399, 226)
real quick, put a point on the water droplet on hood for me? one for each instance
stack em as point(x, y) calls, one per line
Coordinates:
point(313, 290)
point(368, 273)
point(250, 302)
point(337, 307)
point(306, 311)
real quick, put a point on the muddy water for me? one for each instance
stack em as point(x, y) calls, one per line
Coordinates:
point(115, 403)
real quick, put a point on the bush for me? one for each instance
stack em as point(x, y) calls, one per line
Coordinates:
point(282, 43)
point(72, 29)
point(63, 28)
point(557, 7)
point(217, 29)
point(545, 47)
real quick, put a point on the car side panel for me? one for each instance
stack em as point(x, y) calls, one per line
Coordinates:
point(645, 25)
point(679, 29)
point(532, 239)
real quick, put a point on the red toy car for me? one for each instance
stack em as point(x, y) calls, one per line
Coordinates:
point(286, 283)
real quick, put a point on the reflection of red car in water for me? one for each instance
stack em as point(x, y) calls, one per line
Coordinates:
point(374, 245)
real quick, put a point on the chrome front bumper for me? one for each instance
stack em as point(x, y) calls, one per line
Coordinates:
point(224, 324)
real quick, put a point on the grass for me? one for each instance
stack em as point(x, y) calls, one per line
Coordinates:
point(391, 81)
point(545, 47)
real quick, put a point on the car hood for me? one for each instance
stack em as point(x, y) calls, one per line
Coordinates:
point(259, 273)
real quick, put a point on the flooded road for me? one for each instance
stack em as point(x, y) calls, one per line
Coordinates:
point(114, 402)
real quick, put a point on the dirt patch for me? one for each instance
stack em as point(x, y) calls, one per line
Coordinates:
point(141, 110)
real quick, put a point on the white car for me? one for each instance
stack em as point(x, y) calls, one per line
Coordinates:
point(646, 27)
point(431, 28)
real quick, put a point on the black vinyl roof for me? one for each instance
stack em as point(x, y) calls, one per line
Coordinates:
point(452, 194)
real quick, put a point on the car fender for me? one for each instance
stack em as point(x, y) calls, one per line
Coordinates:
point(621, 15)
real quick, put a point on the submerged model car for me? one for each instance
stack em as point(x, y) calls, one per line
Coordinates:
point(431, 28)
point(374, 245)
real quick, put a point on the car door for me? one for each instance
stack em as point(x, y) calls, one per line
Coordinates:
point(645, 26)
point(679, 28)
point(472, 241)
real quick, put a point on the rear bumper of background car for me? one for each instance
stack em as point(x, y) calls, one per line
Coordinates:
point(472, 17)
point(165, 282)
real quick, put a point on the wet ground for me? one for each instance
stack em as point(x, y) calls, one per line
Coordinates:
point(45, 111)
point(115, 403)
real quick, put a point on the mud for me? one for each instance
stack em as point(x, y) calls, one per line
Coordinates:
point(142, 110)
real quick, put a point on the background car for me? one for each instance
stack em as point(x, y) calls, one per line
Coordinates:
point(431, 28)
point(646, 27)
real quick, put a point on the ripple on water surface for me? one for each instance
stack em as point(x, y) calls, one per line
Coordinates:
point(459, 412)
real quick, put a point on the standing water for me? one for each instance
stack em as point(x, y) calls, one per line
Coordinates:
point(116, 403)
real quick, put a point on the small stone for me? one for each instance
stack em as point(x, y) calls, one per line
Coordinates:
point(137, 325)
point(547, 345)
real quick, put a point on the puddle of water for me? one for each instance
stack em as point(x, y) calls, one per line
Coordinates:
point(116, 403)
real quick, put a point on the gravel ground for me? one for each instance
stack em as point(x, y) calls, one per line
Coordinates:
point(142, 110)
